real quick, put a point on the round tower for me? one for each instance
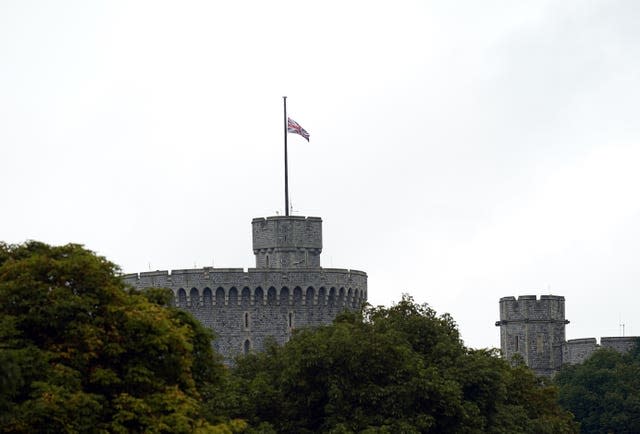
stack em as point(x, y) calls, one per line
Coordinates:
point(288, 289)
point(534, 329)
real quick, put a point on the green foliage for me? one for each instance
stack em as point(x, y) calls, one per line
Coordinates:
point(604, 391)
point(388, 370)
point(81, 353)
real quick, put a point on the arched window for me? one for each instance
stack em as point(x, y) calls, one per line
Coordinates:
point(259, 296)
point(309, 297)
point(247, 346)
point(246, 296)
point(194, 297)
point(322, 295)
point(290, 320)
point(182, 297)
point(207, 297)
point(220, 296)
point(246, 320)
point(271, 296)
point(233, 297)
point(284, 296)
point(267, 260)
point(297, 295)
point(332, 297)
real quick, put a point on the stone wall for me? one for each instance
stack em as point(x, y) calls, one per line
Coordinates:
point(578, 350)
point(621, 344)
point(244, 308)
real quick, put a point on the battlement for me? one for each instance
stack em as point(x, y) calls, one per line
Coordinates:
point(212, 270)
point(583, 341)
point(530, 308)
point(532, 297)
point(289, 218)
point(252, 277)
point(287, 241)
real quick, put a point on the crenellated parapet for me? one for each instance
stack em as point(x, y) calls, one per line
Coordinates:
point(529, 308)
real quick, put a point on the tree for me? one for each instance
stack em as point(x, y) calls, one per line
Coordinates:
point(604, 391)
point(398, 369)
point(79, 352)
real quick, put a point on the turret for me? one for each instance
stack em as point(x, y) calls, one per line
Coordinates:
point(287, 242)
point(534, 329)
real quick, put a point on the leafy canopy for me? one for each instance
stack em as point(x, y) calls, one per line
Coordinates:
point(81, 353)
point(397, 369)
point(604, 391)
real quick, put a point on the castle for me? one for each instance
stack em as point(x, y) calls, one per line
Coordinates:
point(535, 329)
point(287, 288)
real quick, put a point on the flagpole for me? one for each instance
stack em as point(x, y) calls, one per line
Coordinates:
point(286, 167)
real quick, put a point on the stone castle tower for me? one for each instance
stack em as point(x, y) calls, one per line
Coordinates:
point(535, 329)
point(287, 289)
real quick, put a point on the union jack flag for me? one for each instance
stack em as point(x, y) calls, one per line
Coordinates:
point(294, 127)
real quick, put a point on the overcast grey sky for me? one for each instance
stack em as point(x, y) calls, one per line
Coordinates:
point(460, 151)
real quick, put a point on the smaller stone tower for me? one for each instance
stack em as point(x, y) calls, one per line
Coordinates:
point(287, 242)
point(535, 329)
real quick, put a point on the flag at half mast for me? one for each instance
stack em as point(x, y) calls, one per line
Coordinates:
point(294, 127)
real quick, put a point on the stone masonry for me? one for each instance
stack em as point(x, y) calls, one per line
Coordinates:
point(286, 290)
point(535, 329)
